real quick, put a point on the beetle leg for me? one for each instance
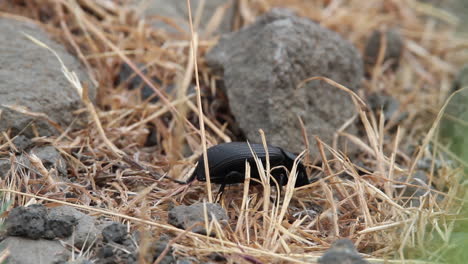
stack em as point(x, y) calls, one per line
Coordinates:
point(283, 180)
point(220, 192)
point(232, 174)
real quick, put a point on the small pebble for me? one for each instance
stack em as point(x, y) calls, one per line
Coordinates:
point(115, 232)
point(342, 252)
point(186, 216)
point(393, 49)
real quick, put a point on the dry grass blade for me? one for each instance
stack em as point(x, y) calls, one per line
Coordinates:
point(200, 110)
point(337, 85)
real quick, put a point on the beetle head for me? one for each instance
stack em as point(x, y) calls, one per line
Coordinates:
point(302, 178)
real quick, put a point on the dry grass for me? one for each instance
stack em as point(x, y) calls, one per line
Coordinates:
point(110, 167)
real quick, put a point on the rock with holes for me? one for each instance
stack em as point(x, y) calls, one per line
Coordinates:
point(262, 67)
point(115, 232)
point(32, 79)
point(29, 222)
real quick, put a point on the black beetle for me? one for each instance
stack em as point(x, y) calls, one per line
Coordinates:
point(226, 163)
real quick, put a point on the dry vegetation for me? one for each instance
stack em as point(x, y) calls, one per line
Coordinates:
point(111, 169)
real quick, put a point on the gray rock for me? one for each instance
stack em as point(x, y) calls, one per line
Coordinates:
point(393, 49)
point(158, 248)
point(22, 142)
point(50, 158)
point(128, 78)
point(85, 231)
point(27, 222)
point(5, 166)
point(263, 64)
point(48, 155)
point(178, 13)
point(115, 232)
point(80, 260)
point(187, 261)
point(388, 105)
point(27, 251)
point(310, 210)
point(61, 222)
point(419, 185)
point(342, 252)
point(185, 216)
point(32, 78)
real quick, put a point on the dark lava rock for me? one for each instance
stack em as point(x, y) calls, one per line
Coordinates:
point(5, 166)
point(27, 251)
point(393, 49)
point(29, 222)
point(262, 66)
point(32, 78)
point(217, 257)
point(60, 224)
point(152, 138)
point(110, 254)
point(342, 252)
point(22, 143)
point(35, 221)
point(115, 232)
point(186, 216)
point(386, 104)
point(158, 248)
point(133, 81)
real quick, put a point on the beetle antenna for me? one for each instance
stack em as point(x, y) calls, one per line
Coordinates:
point(190, 180)
point(192, 177)
point(177, 181)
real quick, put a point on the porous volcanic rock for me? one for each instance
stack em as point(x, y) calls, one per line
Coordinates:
point(262, 66)
point(115, 232)
point(32, 78)
point(29, 222)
